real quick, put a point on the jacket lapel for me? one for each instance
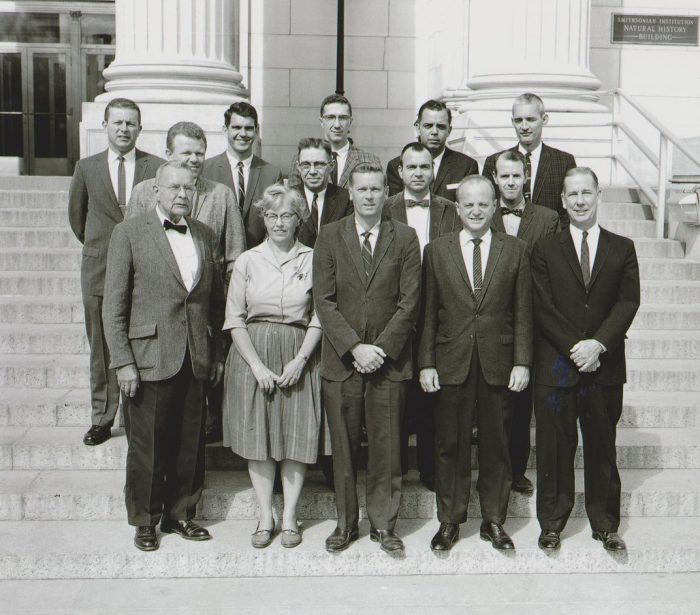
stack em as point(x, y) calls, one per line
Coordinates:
point(526, 219)
point(542, 169)
point(491, 263)
point(159, 238)
point(352, 243)
point(329, 205)
point(437, 211)
point(253, 178)
point(141, 167)
point(103, 170)
point(201, 252)
point(350, 162)
point(567, 247)
point(386, 237)
point(497, 220)
point(398, 211)
point(200, 199)
point(308, 223)
point(600, 255)
point(456, 252)
point(442, 170)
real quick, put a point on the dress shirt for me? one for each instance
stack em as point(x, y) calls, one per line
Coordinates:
point(534, 164)
point(129, 170)
point(418, 218)
point(183, 249)
point(342, 158)
point(511, 222)
point(591, 240)
point(234, 171)
point(263, 289)
point(465, 241)
point(373, 234)
point(437, 161)
point(319, 202)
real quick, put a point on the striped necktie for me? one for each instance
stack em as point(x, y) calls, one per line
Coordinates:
point(585, 260)
point(527, 187)
point(367, 252)
point(121, 183)
point(241, 186)
point(477, 269)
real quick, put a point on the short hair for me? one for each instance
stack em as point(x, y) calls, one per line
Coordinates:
point(579, 171)
point(122, 103)
point(242, 108)
point(335, 98)
point(511, 155)
point(479, 179)
point(414, 146)
point(528, 98)
point(367, 167)
point(275, 193)
point(171, 164)
point(186, 129)
point(434, 105)
point(314, 143)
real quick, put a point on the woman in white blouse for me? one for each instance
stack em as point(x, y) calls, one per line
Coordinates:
point(272, 400)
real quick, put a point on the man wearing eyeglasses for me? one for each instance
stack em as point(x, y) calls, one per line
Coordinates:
point(336, 120)
point(433, 126)
point(326, 202)
point(163, 314)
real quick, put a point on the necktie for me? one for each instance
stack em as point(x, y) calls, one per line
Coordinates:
point(121, 183)
point(241, 186)
point(527, 188)
point(585, 260)
point(169, 226)
point(334, 171)
point(423, 203)
point(477, 270)
point(516, 212)
point(432, 183)
point(367, 252)
point(314, 211)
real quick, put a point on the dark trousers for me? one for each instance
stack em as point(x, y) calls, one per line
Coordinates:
point(454, 417)
point(418, 419)
point(520, 431)
point(165, 459)
point(104, 389)
point(381, 402)
point(598, 409)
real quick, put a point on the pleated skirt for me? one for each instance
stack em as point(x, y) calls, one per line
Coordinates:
point(286, 424)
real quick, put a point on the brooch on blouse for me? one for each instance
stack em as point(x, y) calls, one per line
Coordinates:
point(302, 275)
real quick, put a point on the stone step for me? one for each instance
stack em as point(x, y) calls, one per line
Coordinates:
point(52, 371)
point(62, 407)
point(61, 448)
point(621, 194)
point(668, 269)
point(33, 199)
point(58, 284)
point(41, 310)
point(40, 259)
point(66, 339)
point(644, 344)
point(666, 375)
point(35, 182)
point(666, 316)
point(664, 248)
point(616, 210)
point(34, 217)
point(21, 237)
point(631, 228)
point(90, 495)
point(104, 549)
point(659, 409)
point(667, 292)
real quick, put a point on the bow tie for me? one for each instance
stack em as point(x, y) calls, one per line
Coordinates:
point(516, 212)
point(423, 203)
point(180, 228)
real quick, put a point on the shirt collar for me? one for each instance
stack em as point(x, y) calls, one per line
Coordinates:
point(535, 153)
point(343, 151)
point(130, 156)
point(466, 237)
point(520, 205)
point(408, 196)
point(233, 161)
point(577, 233)
point(437, 160)
point(310, 195)
point(162, 218)
point(265, 249)
point(374, 230)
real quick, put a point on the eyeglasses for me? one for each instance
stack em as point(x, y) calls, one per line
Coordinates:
point(336, 118)
point(187, 188)
point(307, 166)
point(273, 218)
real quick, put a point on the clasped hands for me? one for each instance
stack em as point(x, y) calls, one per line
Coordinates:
point(129, 380)
point(368, 358)
point(267, 379)
point(586, 355)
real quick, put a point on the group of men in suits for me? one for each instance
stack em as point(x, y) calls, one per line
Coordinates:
point(449, 344)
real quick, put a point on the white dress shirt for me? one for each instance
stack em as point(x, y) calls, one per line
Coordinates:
point(129, 171)
point(510, 222)
point(465, 241)
point(234, 171)
point(418, 218)
point(320, 200)
point(591, 240)
point(374, 234)
point(184, 251)
point(342, 158)
point(534, 164)
point(437, 161)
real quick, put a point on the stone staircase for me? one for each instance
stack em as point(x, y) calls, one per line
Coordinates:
point(61, 503)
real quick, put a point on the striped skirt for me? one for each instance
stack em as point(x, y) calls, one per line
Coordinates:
point(285, 424)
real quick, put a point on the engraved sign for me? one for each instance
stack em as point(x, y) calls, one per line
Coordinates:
point(655, 29)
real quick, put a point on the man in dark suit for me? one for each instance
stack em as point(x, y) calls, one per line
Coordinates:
point(529, 222)
point(326, 202)
point(431, 217)
point(545, 166)
point(433, 126)
point(163, 315)
point(239, 169)
point(336, 120)
point(98, 195)
point(367, 292)
point(475, 349)
point(586, 293)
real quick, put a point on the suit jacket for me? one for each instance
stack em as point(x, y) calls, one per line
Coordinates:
point(262, 174)
point(454, 167)
point(336, 206)
point(443, 214)
point(499, 324)
point(353, 308)
point(93, 212)
point(214, 204)
point(149, 317)
point(536, 222)
point(549, 178)
point(566, 312)
point(355, 156)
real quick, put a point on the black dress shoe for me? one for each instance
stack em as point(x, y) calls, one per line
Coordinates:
point(189, 530)
point(388, 540)
point(611, 541)
point(495, 533)
point(445, 537)
point(523, 485)
point(549, 540)
point(213, 434)
point(97, 435)
point(145, 538)
point(341, 539)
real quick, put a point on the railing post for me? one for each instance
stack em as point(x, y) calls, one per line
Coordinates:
point(616, 114)
point(661, 186)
